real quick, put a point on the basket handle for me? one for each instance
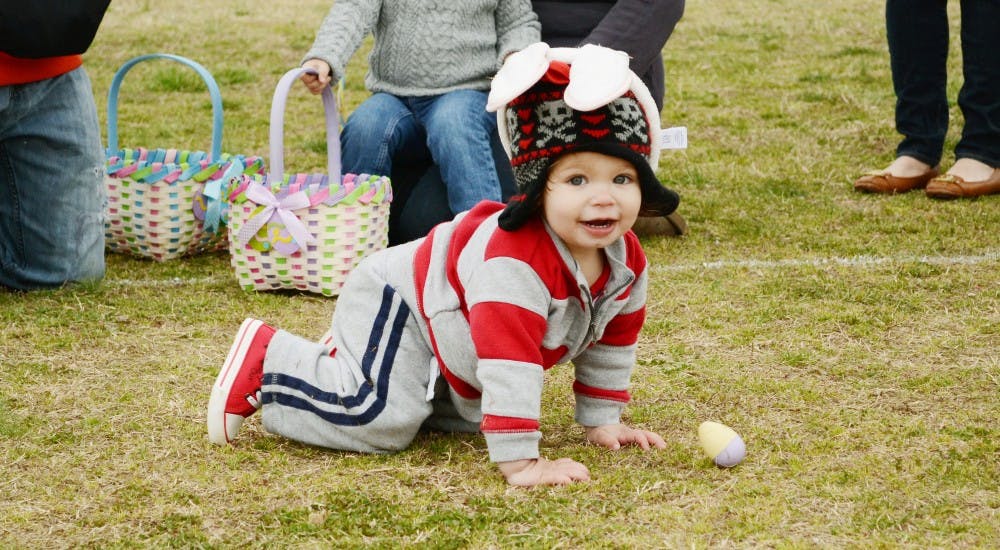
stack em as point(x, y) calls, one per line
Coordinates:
point(213, 90)
point(276, 168)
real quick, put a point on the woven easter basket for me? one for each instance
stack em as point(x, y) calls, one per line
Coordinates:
point(342, 234)
point(166, 217)
point(168, 203)
point(305, 231)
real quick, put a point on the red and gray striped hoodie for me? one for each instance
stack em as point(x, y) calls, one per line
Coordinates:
point(503, 307)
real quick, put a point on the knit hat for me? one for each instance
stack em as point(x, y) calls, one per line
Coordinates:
point(552, 101)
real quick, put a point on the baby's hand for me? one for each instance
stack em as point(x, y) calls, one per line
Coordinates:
point(613, 436)
point(317, 82)
point(540, 471)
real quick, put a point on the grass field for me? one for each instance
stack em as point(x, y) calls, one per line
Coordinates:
point(851, 339)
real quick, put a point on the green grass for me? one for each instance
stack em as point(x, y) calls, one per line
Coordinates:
point(851, 339)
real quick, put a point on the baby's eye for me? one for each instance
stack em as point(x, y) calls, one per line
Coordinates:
point(623, 179)
point(577, 180)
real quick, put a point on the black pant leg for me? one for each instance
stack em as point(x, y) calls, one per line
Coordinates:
point(917, 31)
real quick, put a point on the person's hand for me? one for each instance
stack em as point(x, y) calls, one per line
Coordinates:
point(540, 471)
point(613, 436)
point(317, 82)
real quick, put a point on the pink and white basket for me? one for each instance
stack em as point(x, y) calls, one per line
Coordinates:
point(305, 231)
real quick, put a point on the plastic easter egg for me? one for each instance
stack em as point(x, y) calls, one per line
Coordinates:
point(722, 444)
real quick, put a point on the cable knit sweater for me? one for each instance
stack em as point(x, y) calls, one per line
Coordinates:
point(423, 47)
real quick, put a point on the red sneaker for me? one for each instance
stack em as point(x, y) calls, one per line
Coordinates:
point(236, 393)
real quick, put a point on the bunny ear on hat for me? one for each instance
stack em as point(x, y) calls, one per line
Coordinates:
point(597, 77)
point(520, 71)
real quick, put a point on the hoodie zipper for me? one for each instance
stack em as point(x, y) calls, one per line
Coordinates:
point(595, 305)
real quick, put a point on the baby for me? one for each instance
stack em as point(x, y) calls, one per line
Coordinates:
point(455, 331)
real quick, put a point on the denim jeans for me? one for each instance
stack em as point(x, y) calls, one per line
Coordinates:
point(453, 129)
point(52, 196)
point(420, 198)
point(918, 49)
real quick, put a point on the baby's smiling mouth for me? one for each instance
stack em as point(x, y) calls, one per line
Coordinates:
point(602, 223)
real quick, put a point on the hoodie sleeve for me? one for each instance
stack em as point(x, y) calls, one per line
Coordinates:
point(508, 324)
point(604, 370)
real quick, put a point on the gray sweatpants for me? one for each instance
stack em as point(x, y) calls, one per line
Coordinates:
point(371, 393)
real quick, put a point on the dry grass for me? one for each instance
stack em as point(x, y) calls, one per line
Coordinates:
point(850, 339)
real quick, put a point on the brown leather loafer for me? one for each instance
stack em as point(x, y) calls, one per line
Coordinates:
point(884, 182)
point(950, 186)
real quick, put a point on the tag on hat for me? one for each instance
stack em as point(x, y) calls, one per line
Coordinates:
point(674, 138)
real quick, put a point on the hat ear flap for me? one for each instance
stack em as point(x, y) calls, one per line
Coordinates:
point(519, 72)
point(531, 177)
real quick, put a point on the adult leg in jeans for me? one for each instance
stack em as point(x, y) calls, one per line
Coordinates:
point(917, 31)
point(52, 196)
point(426, 203)
point(380, 130)
point(979, 98)
point(458, 136)
point(976, 170)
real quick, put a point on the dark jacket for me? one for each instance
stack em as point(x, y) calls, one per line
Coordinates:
point(638, 27)
point(48, 28)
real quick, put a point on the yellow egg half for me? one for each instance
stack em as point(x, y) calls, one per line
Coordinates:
point(722, 444)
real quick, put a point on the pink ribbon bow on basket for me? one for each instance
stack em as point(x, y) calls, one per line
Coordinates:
point(261, 195)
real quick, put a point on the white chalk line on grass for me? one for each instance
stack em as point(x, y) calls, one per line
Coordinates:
point(159, 283)
point(851, 262)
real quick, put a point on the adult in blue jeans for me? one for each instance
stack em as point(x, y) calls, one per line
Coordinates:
point(640, 28)
point(52, 196)
point(917, 31)
point(452, 129)
point(429, 88)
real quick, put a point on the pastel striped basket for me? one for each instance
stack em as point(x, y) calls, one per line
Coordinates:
point(342, 227)
point(163, 209)
point(305, 231)
point(168, 203)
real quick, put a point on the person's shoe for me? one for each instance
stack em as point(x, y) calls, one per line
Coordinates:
point(671, 225)
point(883, 182)
point(950, 186)
point(236, 392)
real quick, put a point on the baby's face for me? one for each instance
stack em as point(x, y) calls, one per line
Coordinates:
point(591, 200)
